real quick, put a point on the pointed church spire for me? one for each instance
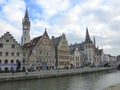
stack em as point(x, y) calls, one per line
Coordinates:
point(26, 13)
point(87, 38)
point(45, 33)
point(45, 29)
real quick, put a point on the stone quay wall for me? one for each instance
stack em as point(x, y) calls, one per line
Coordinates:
point(49, 74)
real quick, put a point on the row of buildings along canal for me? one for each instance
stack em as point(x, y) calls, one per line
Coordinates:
point(44, 52)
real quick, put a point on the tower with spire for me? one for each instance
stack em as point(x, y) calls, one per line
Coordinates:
point(25, 28)
point(88, 48)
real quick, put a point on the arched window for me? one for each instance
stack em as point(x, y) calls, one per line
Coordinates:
point(6, 61)
point(6, 69)
point(12, 61)
point(17, 61)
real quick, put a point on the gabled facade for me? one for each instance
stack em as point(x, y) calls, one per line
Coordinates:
point(62, 52)
point(42, 53)
point(10, 54)
point(75, 57)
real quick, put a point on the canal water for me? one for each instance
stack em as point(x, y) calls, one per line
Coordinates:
point(93, 81)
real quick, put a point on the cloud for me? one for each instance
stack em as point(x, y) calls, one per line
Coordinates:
point(11, 16)
point(102, 17)
point(52, 7)
point(6, 27)
point(107, 47)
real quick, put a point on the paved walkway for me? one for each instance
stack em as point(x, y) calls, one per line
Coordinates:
point(48, 73)
point(114, 87)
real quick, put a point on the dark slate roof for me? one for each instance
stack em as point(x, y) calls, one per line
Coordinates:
point(81, 46)
point(73, 46)
point(5, 36)
point(32, 43)
point(87, 38)
point(56, 41)
point(72, 49)
point(100, 51)
point(26, 13)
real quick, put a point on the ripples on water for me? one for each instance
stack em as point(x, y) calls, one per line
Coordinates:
point(94, 81)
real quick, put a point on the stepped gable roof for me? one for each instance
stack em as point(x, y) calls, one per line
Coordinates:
point(8, 36)
point(87, 38)
point(45, 33)
point(32, 43)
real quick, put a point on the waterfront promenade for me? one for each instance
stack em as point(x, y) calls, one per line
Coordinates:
point(114, 87)
point(49, 73)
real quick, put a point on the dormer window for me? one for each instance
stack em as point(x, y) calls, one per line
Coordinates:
point(7, 40)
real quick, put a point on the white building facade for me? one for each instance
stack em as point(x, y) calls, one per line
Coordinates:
point(11, 53)
point(75, 57)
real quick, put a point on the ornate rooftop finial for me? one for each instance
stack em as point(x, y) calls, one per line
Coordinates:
point(26, 13)
point(87, 38)
point(45, 29)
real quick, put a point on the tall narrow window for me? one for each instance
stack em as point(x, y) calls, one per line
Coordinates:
point(0, 61)
point(18, 54)
point(0, 53)
point(12, 54)
point(1, 45)
point(6, 53)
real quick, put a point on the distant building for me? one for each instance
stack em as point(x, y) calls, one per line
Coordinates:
point(118, 58)
point(11, 53)
point(112, 60)
point(62, 52)
point(106, 58)
point(91, 55)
